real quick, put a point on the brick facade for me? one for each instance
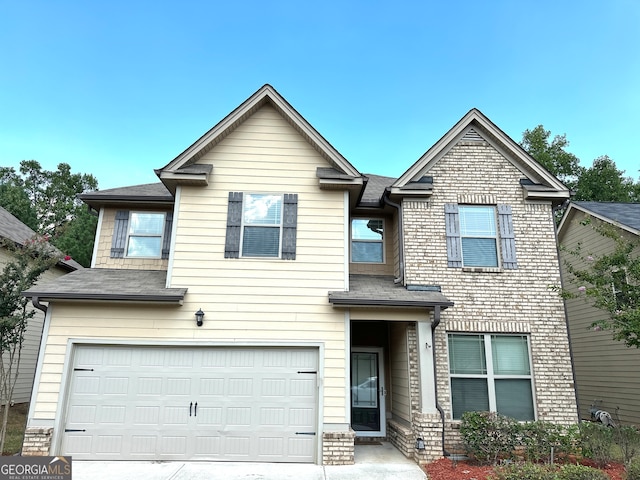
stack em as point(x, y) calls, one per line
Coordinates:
point(37, 442)
point(338, 448)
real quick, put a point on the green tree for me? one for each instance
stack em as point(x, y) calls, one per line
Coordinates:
point(53, 199)
point(611, 282)
point(603, 182)
point(26, 266)
point(552, 154)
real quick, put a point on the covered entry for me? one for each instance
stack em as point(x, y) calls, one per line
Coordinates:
point(178, 403)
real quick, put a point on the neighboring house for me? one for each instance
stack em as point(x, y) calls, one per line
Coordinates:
point(607, 372)
point(13, 230)
point(336, 304)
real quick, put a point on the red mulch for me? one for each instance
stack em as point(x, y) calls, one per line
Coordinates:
point(445, 469)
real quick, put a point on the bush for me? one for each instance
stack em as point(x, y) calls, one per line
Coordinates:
point(543, 441)
point(633, 471)
point(489, 436)
point(627, 438)
point(535, 471)
point(597, 442)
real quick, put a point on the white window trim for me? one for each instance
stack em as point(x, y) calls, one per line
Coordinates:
point(279, 226)
point(490, 376)
point(351, 240)
point(495, 237)
point(129, 234)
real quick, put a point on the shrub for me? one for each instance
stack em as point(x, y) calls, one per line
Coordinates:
point(489, 436)
point(539, 439)
point(535, 471)
point(627, 438)
point(632, 471)
point(597, 442)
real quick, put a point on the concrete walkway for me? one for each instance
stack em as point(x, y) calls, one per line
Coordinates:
point(373, 462)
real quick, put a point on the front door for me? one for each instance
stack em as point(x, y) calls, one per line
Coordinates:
point(367, 393)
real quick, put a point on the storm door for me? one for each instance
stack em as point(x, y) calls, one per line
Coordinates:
point(367, 392)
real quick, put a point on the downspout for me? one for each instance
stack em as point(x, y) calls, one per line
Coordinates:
point(564, 205)
point(36, 303)
point(398, 207)
point(434, 325)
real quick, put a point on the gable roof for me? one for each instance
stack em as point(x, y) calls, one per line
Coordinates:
point(622, 215)
point(182, 169)
point(538, 182)
point(14, 230)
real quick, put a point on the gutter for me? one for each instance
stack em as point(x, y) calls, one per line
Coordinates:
point(398, 207)
point(434, 325)
point(36, 303)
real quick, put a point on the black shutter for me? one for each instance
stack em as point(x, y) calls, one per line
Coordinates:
point(289, 226)
point(166, 240)
point(507, 237)
point(452, 229)
point(120, 230)
point(234, 223)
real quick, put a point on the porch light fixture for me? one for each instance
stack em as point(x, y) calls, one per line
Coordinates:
point(199, 317)
point(419, 444)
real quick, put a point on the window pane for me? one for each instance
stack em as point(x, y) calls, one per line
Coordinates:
point(510, 355)
point(366, 252)
point(366, 229)
point(261, 242)
point(144, 246)
point(514, 398)
point(466, 354)
point(477, 221)
point(469, 395)
point(146, 223)
point(479, 252)
point(262, 209)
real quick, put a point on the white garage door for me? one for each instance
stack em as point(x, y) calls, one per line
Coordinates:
point(179, 403)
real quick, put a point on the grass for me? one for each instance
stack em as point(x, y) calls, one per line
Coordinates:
point(15, 428)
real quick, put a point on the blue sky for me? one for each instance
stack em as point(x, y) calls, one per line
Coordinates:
point(118, 88)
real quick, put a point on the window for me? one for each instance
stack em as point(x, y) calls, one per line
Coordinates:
point(623, 291)
point(145, 234)
point(141, 234)
point(367, 240)
point(491, 372)
point(262, 225)
point(477, 237)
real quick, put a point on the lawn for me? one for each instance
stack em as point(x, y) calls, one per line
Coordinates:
point(15, 428)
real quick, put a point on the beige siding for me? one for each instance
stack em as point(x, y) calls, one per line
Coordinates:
point(501, 301)
point(103, 253)
point(244, 300)
point(31, 344)
point(399, 361)
point(605, 369)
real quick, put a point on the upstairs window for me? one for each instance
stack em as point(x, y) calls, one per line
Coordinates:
point(141, 234)
point(367, 240)
point(145, 235)
point(478, 234)
point(262, 225)
point(491, 372)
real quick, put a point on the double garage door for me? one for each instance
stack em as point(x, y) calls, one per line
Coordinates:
point(179, 403)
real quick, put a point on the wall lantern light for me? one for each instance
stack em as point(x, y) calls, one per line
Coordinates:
point(199, 317)
point(419, 444)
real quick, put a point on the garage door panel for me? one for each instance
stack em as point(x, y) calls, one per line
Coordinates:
point(252, 403)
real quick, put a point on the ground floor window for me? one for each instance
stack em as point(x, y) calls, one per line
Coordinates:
point(491, 372)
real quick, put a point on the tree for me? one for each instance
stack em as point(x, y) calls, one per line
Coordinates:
point(53, 199)
point(29, 262)
point(552, 154)
point(611, 281)
point(603, 182)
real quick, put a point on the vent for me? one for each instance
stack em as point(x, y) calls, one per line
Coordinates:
point(472, 136)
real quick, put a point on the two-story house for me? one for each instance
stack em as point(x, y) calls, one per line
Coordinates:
point(268, 302)
point(607, 371)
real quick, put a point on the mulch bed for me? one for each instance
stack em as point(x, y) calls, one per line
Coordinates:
point(445, 469)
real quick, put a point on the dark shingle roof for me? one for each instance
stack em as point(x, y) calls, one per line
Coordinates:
point(624, 213)
point(380, 290)
point(13, 229)
point(375, 188)
point(148, 193)
point(109, 284)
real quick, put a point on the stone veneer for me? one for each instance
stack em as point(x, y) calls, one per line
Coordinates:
point(338, 448)
point(37, 441)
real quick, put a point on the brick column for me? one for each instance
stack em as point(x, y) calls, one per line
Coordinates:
point(338, 448)
point(37, 441)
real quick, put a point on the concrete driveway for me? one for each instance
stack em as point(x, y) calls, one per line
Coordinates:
point(373, 462)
